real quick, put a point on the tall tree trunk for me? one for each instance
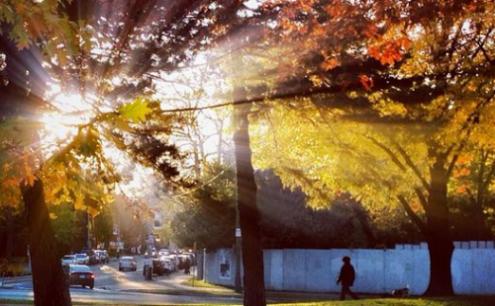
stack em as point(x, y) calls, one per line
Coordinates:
point(440, 243)
point(252, 252)
point(49, 282)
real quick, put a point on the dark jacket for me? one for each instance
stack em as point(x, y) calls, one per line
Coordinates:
point(347, 275)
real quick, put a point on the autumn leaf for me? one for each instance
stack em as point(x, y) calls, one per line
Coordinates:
point(335, 9)
point(88, 142)
point(389, 52)
point(79, 202)
point(10, 183)
point(461, 189)
point(329, 64)
point(135, 111)
point(366, 81)
point(462, 172)
point(316, 80)
point(371, 31)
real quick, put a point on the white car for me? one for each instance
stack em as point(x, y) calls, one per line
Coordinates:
point(68, 259)
point(163, 252)
point(174, 265)
point(127, 263)
point(82, 259)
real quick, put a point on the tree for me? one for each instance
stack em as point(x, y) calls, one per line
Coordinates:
point(191, 27)
point(344, 224)
point(415, 67)
point(409, 163)
point(103, 227)
point(249, 219)
point(473, 179)
point(207, 216)
point(131, 221)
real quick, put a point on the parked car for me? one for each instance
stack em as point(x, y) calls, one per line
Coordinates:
point(158, 266)
point(68, 259)
point(127, 263)
point(82, 259)
point(152, 253)
point(81, 275)
point(163, 265)
point(92, 257)
point(173, 262)
point(102, 256)
point(163, 252)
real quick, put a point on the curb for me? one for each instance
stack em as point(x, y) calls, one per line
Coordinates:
point(196, 293)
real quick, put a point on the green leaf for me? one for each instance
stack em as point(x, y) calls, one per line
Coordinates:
point(88, 142)
point(135, 111)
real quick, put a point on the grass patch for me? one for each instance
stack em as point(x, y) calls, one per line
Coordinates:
point(202, 284)
point(30, 303)
point(449, 301)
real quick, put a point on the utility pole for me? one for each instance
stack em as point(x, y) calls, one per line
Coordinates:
point(237, 252)
point(88, 234)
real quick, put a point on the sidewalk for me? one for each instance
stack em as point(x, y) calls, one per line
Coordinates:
point(179, 285)
point(9, 282)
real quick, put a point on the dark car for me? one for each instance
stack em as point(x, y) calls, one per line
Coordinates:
point(81, 275)
point(163, 265)
point(92, 256)
point(158, 266)
point(102, 256)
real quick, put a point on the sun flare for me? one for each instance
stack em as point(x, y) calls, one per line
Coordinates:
point(60, 125)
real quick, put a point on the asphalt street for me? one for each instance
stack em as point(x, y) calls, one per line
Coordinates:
point(108, 276)
point(119, 297)
point(112, 285)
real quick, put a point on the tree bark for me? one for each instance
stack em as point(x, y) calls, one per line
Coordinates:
point(440, 245)
point(252, 252)
point(49, 281)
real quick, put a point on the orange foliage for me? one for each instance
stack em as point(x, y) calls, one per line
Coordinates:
point(389, 52)
point(366, 81)
point(461, 172)
point(329, 64)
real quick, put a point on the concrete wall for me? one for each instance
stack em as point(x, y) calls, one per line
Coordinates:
point(215, 268)
point(377, 271)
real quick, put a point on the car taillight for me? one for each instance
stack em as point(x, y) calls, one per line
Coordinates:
point(92, 276)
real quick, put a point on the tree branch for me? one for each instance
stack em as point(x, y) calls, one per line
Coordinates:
point(411, 165)
point(422, 198)
point(414, 217)
point(392, 155)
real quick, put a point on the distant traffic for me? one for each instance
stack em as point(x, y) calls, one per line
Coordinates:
point(159, 263)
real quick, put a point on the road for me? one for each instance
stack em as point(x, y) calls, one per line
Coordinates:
point(114, 286)
point(108, 277)
point(119, 297)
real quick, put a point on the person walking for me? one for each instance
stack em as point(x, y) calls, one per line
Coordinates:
point(187, 266)
point(346, 278)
